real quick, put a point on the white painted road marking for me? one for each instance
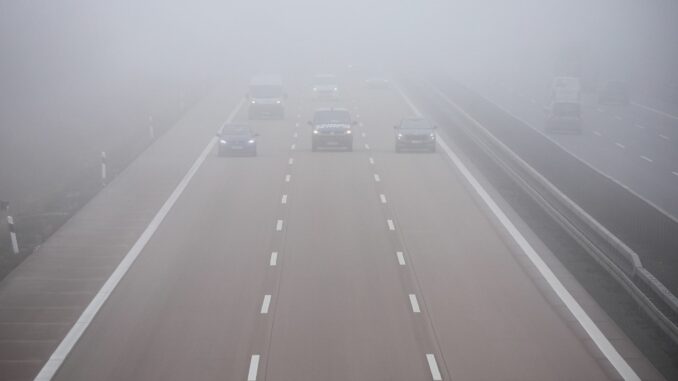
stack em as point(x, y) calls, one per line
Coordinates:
point(293, 146)
point(414, 303)
point(640, 126)
point(298, 116)
point(274, 259)
point(382, 198)
point(66, 345)
point(433, 366)
point(363, 134)
point(390, 224)
point(290, 161)
point(601, 341)
point(664, 137)
point(288, 178)
point(675, 173)
point(371, 160)
point(377, 178)
point(597, 133)
point(367, 146)
point(401, 258)
point(283, 200)
point(254, 367)
point(618, 117)
point(646, 158)
point(265, 304)
point(296, 125)
point(620, 145)
point(600, 109)
point(279, 225)
point(295, 135)
point(655, 110)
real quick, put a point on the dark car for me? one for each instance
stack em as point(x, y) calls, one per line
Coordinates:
point(415, 133)
point(237, 139)
point(614, 92)
point(332, 128)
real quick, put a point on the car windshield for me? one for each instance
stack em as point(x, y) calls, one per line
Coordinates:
point(266, 91)
point(332, 116)
point(236, 130)
point(415, 124)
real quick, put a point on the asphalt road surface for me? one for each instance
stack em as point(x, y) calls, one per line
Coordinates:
point(364, 265)
point(637, 145)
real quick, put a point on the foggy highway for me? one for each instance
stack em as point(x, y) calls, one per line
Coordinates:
point(338, 190)
point(298, 265)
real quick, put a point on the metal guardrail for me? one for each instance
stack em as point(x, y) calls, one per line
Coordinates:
point(606, 248)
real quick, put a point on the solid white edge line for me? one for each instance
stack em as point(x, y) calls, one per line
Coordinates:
point(265, 304)
point(274, 259)
point(675, 173)
point(382, 198)
point(401, 258)
point(283, 200)
point(601, 341)
point(655, 110)
point(433, 367)
point(279, 225)
point(390, 224)
point(254, 367)
point(66, 345)
point(415, 304)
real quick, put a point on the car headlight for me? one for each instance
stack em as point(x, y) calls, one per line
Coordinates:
point(400, 136)
point(222, 141)
point(433, 136)
point(278, 101)
point(315, 131)
point(253, 101)
point(251, 141)
point(335, 89)
point(315, 89)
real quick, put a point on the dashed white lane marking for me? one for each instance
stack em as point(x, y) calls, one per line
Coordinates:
point(288, 178)
point(367, 146)
point(298, 116)
point(646, 159)
point(382, 198)
point(371, 160)
point(534, 101)
point(415, 304)
point(377, 178)
point(620, 145)
point(295, 135)
point(640, 126)
point(618, 117)
point(433, 366)
point(597, 133)
point(274, 259)
point(293, 146)
point(585, 321)
point(363, 134)
point(265, 304)
point(283, 200)
point(279, 225)
point(357, 116)
point(655, 110)
point(600, 109)
point(62, 351)
point(664, 137)
point(401, 258)
point(296, 125)
point(391, 225)
point(360, 124)
point(254, 367)
point(675, 173)
point(290, 161)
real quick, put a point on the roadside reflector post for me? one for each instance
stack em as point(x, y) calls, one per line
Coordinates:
point(104, 173)
point(4, 206)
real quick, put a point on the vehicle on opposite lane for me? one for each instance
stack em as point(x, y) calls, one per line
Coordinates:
point(415, 133)
point(332, 128)
point(237, 139)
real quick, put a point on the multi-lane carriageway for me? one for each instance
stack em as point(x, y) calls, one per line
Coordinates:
point(295, 265)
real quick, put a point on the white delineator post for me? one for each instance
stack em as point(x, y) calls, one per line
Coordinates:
point(104, 173)
point(12, 234)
